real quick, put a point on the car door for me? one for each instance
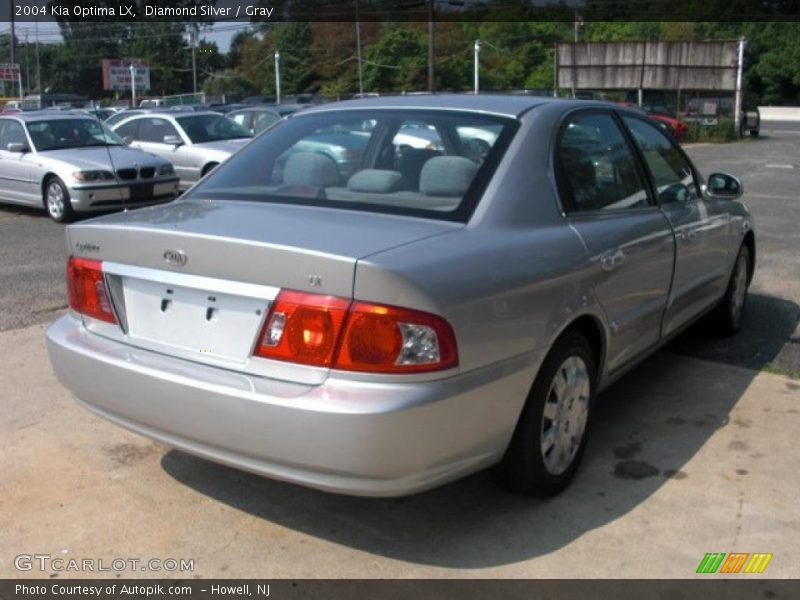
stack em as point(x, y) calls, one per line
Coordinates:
point(701, 226)
point(147, 133)
point(605, 198)
point(15, 167)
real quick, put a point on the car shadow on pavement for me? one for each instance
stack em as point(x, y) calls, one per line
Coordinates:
point(646, 429)
point(767, 337)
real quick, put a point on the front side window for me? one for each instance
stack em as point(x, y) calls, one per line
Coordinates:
point(597, 170)
point(401, 161)
point(11, 132)
point(212, 128)
point(672, 174)
point(153, 129)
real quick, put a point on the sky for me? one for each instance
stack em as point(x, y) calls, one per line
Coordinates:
point(222, 33)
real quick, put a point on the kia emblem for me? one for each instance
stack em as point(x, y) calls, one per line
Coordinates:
point(175, 257)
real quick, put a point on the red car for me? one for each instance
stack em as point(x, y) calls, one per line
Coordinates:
point(676, 127)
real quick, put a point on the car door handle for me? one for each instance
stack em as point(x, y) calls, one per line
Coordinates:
point(612, 259)
point(691, 234)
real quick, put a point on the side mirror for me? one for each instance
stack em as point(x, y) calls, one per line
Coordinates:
point(723, 187)
point(17, 147)
point(173, 140)
point(128, 140)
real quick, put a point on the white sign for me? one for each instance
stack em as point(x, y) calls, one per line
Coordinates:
point(117, 74)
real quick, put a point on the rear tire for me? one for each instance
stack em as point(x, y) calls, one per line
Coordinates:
point(550, 438)
point(730, 310)
point(56, 201)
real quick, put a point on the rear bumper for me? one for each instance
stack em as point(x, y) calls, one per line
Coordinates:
point(360, 438)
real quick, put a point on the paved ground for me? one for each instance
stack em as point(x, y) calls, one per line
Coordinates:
point(688, 456)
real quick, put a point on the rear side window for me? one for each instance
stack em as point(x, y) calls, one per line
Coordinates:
point(596, 168)
point(415, 162)
point(672, 174)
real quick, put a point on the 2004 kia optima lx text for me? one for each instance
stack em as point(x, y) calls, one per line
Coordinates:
point(438, 310)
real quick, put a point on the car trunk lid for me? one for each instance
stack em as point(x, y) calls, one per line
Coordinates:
point(196, 279)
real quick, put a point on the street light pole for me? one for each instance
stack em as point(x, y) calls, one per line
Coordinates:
point(477, 49)
point(132, 69)
point(277, 77)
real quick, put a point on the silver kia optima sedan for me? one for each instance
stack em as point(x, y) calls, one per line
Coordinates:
point(431, 314)
point(195, 142)
point(68, 162)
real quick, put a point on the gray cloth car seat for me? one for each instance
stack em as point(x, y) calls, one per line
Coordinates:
point(447, 176)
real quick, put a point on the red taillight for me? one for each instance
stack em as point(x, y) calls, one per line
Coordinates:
point(389, 339)
point(86, 289)
point(327, 331)
point(303, 328)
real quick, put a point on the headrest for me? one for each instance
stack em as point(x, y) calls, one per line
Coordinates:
point(310, 168)
point(376, 181)
point(447, 176)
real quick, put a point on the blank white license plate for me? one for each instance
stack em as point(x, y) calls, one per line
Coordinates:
point(198, 322)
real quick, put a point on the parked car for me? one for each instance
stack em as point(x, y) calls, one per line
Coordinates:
point(255, 119)
point(193, 142)
point(676, 127)
point(68, 163)
point(388, 331)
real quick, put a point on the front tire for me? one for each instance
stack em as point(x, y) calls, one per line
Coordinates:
point(57, 202)
point(730, 310)
point(550, 438)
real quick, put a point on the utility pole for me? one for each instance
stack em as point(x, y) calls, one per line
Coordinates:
point(431, 53)
point(277, 77)
point(194, 58)
point(27, 62)
point(13, 40)
point(358, 53)
point(477, 50)
point(38, 64)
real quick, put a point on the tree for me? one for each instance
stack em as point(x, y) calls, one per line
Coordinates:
point(228, 82)
point(396, 62)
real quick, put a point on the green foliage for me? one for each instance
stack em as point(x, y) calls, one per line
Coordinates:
point(228, 82)
point(723, 131)
point(293, 41)
point(396, 62)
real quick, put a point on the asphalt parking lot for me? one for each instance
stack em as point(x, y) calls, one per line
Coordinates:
point(693, 452)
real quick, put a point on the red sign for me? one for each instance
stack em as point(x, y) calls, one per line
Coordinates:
point(9, 72)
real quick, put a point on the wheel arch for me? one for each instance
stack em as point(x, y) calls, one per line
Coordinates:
point(750, 241)
point(590, 327)
point(208, 167)
point(45, 180)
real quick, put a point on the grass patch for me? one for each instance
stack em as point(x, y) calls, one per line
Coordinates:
point(723, 131)
point(776, 370)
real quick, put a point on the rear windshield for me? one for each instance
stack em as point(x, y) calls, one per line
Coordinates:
point(426, 163)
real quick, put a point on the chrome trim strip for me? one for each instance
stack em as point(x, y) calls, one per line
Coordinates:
point(209, 284)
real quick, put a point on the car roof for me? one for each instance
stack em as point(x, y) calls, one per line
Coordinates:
point(49, 115)
point(500, 104)
point(255, 109)
point(174, 114)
